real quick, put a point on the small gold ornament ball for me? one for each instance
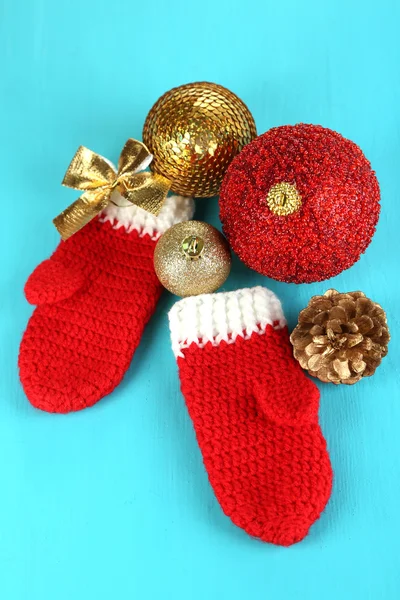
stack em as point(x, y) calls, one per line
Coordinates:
point(192, 258)
point(194, 132)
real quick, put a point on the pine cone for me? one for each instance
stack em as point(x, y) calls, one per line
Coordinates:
point(341, 338)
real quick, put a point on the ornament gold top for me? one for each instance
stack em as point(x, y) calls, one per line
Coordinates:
point(194, 131)
point(283, 199)
point(193, 247)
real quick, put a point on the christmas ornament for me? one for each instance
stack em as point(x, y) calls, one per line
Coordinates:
point(341, 338)
point(254, 411)
point(299, 204)
point(99, 178)
point(194, 132)
point(93, 299)
point(192, 258)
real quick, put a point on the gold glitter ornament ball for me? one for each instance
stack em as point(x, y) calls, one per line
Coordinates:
point(194, 131)
point(192, 258)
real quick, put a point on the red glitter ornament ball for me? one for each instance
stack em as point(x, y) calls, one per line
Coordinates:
point(300, 203)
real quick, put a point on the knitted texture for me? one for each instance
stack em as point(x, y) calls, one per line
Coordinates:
point(254, 411)
point(94, 297)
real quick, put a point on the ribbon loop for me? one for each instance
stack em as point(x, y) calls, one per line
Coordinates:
point(148, 191)
point(134, 157)
point(97, 177)
point(88, 171)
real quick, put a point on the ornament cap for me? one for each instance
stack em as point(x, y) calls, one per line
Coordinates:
point(283, 199)
point(193, 247)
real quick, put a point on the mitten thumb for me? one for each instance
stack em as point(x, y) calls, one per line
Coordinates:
point(51, 282)
point(289, 401)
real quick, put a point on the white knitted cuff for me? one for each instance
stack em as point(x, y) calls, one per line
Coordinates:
point(223, 316)
point(175, 209)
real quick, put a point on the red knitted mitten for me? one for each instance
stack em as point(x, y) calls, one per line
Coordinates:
point(254, 411)
point(94, 296)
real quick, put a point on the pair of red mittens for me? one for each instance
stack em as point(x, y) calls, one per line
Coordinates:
point(254, 411)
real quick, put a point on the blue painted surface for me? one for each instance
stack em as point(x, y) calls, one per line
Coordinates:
point(114, 502)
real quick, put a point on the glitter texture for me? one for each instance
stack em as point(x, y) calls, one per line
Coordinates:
point(339, 212)
point(194, 131)
point(184, 276)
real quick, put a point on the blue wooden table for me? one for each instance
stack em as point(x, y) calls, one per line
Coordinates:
point(114, 502)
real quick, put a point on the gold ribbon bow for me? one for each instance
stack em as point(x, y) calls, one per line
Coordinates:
point(98, 178)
